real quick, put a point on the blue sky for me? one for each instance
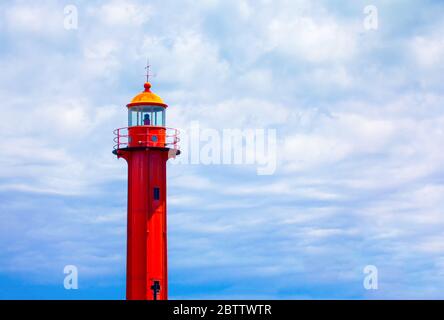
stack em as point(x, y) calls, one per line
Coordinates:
point(359, 116)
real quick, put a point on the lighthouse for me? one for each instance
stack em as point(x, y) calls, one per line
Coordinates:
point(146, 145)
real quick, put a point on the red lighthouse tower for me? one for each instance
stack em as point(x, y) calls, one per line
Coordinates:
point(146, 144)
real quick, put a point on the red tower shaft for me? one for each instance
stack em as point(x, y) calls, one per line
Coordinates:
point(146, 144)
point(147, 224)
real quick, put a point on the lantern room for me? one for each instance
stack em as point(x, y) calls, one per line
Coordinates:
point(146, 109)
point(146, 123)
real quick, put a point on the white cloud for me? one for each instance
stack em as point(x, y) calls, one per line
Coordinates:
point(124, 13)
point(186, 58)
point(429, 51)
point(34, 19)
point(334, 138)
point(313, 41)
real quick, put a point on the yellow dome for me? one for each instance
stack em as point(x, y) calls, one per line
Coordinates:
point(146, 98)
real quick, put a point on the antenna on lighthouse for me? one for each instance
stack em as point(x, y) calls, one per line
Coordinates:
point(148, 69)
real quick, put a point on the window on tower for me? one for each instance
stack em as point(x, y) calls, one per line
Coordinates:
point(146, 116)
point(156, 193)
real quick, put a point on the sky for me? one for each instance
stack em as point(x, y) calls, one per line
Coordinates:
point(358, 114)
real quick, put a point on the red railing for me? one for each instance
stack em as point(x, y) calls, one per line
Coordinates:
point(169, 137)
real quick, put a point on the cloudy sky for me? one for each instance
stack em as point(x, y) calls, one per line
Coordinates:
point(359, 119)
